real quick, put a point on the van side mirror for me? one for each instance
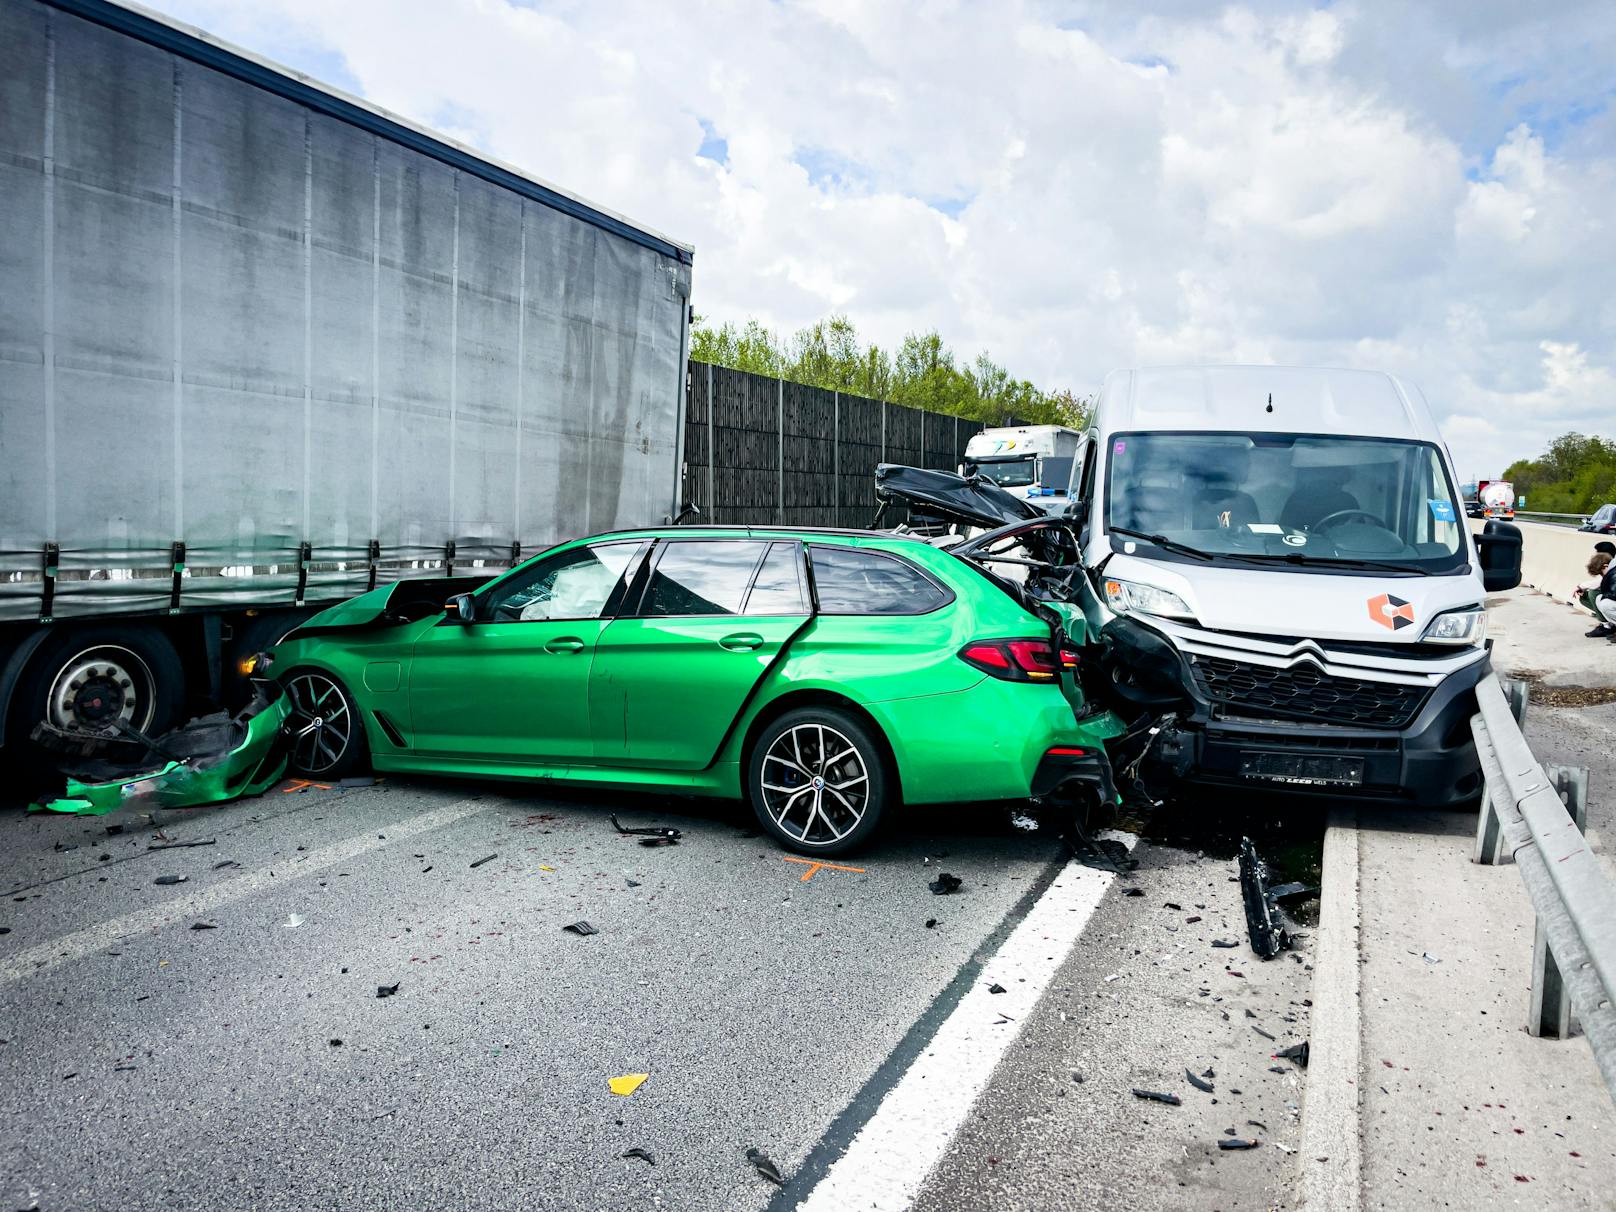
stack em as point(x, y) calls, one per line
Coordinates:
point(1077, 513)
point(1499, 546)
point(461, 608)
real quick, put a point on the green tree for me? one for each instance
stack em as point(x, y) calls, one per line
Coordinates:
point(1576, 474)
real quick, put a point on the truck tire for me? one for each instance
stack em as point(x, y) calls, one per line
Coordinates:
point(85, 678)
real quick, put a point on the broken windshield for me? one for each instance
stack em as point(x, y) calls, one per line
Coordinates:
point(1340, 502)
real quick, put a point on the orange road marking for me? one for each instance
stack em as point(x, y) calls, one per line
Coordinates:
point(298, 785)
point(814, 865)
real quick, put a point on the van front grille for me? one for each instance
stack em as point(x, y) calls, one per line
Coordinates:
point(1304, 692)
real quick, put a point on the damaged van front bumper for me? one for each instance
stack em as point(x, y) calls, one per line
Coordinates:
point(209, 760)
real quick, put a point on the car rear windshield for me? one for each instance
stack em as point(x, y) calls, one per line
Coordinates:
point(1316, 498)
point(854, 580)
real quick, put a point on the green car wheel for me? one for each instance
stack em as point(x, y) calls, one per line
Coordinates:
point(817, 780)
point(326, 736)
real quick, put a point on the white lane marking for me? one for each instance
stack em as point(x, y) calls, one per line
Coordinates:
point(76, 946)
point(891, 1157)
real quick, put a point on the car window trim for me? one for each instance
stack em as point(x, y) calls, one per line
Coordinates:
point(803, 595)
point(655, 562)
point(925, 574)
point(553, 554)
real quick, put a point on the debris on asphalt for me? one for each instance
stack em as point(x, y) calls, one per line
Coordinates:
point(1133, 892)
point(336, 1043)
point(995, 988)
point(761, 1163)
point(654, 836)
point(61, 846)
point(945, 884)
point(1256, 1123)
point(646, 1157)
point(171, 879)
point(1429, 958)
point(632, 883)
point(1262, 1033)
point(583, 928)
point(203, 926)
point(221, 865)
point(292, 922)
point(212, 841)
point(1190, 921)
point(627, 1084)
point(1104, 854)
point(1292, 892)
point(1199, 1083)
point(1225, 943)
point(1173, 905)
point(487, 858)
point(1156, 1096)
point(931, 923)
point(1237, 1143)
point(1268, 935)
point(388, 990)
point(1296, 1052)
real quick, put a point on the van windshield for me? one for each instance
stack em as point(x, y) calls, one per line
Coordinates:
point(1306, 499)
point(1007, 473)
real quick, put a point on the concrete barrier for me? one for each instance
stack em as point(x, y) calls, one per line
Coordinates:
point(1553, 558)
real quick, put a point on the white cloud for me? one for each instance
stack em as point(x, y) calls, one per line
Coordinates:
point(1072, 185)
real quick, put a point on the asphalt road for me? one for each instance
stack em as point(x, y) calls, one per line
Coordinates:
point(149, 1064)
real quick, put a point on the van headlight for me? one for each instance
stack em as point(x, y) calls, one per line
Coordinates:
point(1457, 627)
point(1130, 597)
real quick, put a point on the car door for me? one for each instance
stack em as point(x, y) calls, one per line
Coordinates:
point(513, 685)
point(671, 674)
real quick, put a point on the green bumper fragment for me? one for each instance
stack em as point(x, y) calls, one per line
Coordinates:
point(252, 766)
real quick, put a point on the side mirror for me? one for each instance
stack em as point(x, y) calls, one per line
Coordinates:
point(461, 608)
point(1499, 546)
point(1077, 513)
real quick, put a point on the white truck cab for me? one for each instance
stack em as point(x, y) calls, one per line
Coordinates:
point(1289, 545)
point(1030, 461)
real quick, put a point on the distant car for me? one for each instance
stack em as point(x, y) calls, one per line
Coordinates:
point(1475, 509)
point(1603, 520)
point(822, 675)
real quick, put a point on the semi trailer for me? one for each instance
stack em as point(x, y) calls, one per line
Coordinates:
point(264, 346)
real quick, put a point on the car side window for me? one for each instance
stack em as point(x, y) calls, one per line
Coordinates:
point(779, 587)
point(853, 580)
point(701, 577)
point(573, 584)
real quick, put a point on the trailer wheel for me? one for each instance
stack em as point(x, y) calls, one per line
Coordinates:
point(87, 679)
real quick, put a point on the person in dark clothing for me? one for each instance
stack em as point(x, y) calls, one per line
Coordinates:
point(1319, 492)
point(1605, 598)
point(1586, 593)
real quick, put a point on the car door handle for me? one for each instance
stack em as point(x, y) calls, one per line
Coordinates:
point(565, 643)
point(741, 641)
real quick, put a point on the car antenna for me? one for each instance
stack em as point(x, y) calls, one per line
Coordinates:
point(1270, 401)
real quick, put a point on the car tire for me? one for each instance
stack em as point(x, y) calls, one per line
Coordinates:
point(326, 737)
point(86, 677)
point(807, 804)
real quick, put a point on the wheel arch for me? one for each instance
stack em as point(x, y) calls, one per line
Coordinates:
point(793, 700)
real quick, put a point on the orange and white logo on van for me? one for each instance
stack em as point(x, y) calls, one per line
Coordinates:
point(1390, 612)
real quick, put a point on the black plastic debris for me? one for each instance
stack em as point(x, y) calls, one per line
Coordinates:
point(61, 846)
point(212, 841)
point(1103, 854)
point(995, 988)
point(1266, 1035)
point(487, 858)
point(1199, 1083)
point(761, 1163)
point(931, 923)
point(220, 866)
point(1156, 1096)
point(114, 830)
point(1224, 942)
point(336, 1043)
point(1256, 1123)
point(1268, 935)
point(387, 990)
point(1296, 1052)
point(1238, 1143)
point(1277, 1069)
point(1173, 905)
point(203, 926)
point(583, 928)
point(645, 1156)
point(1133, 892)
point(654, 836)
point(632, 883)
point(103, 858)
point(945, 884)
point(1292, 892)
point(170, 879)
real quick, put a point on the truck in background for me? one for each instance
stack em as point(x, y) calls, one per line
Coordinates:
point(264, 346)
point(1497, 499)
point(1031, 461)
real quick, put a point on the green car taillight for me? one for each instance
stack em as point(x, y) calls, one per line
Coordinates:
point(1018, 660)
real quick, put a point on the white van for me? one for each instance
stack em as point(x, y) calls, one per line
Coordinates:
point(1289, 546)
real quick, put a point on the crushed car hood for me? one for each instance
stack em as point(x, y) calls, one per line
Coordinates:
point(964, 500)
point(390, 605)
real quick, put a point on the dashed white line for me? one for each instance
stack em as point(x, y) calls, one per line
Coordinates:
point(890, 1158)
point(76, 946)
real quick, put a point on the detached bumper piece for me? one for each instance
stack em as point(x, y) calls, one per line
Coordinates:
point(1263, 922)
point(1067, 771)
point(210, 760)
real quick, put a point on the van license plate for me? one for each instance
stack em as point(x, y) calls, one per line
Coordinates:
point(1303, 770)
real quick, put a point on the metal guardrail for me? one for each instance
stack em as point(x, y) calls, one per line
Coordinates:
point(1536, 816)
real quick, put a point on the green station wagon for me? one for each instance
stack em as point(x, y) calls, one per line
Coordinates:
point(820, 675)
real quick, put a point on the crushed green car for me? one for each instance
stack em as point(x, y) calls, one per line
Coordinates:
point(210, 760)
